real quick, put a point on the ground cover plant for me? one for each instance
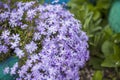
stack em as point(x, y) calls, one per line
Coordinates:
point(47, 40)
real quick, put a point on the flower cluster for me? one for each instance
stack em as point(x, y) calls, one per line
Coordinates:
point(47, 38)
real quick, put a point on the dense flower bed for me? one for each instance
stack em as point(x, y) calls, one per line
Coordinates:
point(47, 39)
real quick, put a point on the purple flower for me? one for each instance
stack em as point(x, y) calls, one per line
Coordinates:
point(29, 63)
point(41, 28)
point(30, 14)
point(34, 57)
point(15, 18)
point(15, 37)
point(14, 44)
point(24, 26)
point(4, 16)
point(36, 36)
point(32, 46)
point(6, 70)
point(52, 29)
point(19, 52)
point(14, 68)
point(5, 34)
point(1, 4)
point(3, 49)
point(27, 5)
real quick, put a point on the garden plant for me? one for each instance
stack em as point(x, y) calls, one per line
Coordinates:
point(46, 39)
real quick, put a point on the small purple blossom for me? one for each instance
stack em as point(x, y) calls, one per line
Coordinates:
point(14, 45)
point(6, 70)
point(5, 34)
point(30, 14)
point(14, 68)
point(3, 49)
point(4, 16)
point(31, 47)
point(15, 37)
point(37, 36)
point(24, 26)
point(19, 52)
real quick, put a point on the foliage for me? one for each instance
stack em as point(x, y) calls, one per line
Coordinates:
point(98, 75)
point(103, 42)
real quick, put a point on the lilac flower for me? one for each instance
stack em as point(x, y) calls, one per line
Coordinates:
point(27, 5)
point(1, 4)
point(32, 46)
point(34, 57)
point(41, 28)
point(6, 6)
point(12, 23)
point(14, 68)
point(19, 52)
point(3, 49)
point(7, 41)
point(20, 4)
point(15, 15)
point(30, 14)
point(24, 26)
point(6, 70)
point(29, 63)
point(36, 36)
point(5, 34)
point(14, 44)
point(4, 16)
point(15, 18)
point(15, 37)
point(53, 29)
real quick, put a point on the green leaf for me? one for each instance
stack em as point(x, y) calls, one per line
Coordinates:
point(95, 62)
point(108, 31)
point(96, 29)
point(98, 75)
point(87, 20)
point(116, 50)
point(96, 15)
point(112, 60)
point(107, 48)
point(116, 38)
point(41, 1)
point(97, 23)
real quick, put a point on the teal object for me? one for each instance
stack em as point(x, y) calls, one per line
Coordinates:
point(59, 2)
point(114, 16)
point(7, 63)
